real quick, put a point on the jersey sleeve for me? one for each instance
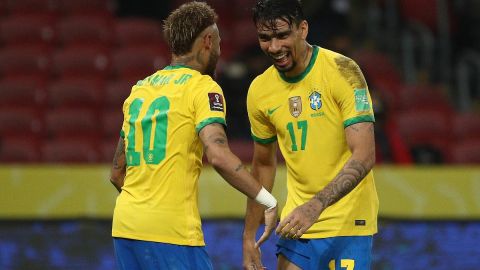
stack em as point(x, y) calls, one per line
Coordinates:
point(262, 130)
point(209, 105)
point(351, 93)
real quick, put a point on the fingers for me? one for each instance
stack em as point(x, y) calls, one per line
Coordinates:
point(291, 227)
point(251, 258)
point(270, 222)
point(263, 238)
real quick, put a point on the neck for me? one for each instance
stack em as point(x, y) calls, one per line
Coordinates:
point(188, 60)
point(303, 62)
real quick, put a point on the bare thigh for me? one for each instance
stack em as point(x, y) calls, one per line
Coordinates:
point(284, 264)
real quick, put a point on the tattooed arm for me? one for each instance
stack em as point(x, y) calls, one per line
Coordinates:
point(229, 166)
point(360, 139)
point(117, 174)
point(231, 169)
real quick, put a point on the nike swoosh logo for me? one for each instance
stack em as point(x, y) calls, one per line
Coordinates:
point(271, 111)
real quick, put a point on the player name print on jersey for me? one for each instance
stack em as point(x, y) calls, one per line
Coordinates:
point(216, 102)
point(295, 105)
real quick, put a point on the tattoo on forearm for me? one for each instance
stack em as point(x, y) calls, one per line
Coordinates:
point(119, 155)
point(348, 178)
point(239, 167)
point(218, 138)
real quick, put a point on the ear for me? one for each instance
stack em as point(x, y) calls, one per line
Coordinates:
point(208, 41)
point(303, 27)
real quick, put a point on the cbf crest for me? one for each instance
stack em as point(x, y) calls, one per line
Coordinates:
point(315, 100)
point(295, 105)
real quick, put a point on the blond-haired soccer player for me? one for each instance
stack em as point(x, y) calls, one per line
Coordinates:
point(316, 104)
point(170, 119)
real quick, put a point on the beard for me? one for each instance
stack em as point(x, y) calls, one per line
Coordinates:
point(286, 69)
point(212, 64)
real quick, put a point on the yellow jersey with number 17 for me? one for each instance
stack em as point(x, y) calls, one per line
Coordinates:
point(162, 118)
point(307, 114)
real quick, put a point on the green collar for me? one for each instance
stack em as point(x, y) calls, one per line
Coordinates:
point(176, 67)
point(302, 75)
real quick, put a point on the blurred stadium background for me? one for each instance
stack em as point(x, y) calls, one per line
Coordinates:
point(67, 65)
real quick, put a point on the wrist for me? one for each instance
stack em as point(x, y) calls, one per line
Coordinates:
point(266, 198)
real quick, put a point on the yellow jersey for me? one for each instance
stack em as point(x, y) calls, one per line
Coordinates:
point(162, 118)
point(307, 114)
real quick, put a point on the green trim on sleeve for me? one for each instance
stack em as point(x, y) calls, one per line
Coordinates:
point(358, 119)
point(209, 121)
point(264, 141)
point(122, 134)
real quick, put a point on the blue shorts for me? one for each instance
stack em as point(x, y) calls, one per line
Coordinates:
point(328, 253)
point(145, 255)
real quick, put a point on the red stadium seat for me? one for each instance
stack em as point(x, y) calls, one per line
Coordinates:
point(19, 149)
point(249, 33)
point(427, 97)
point(22, 91)
point(81, 61)
point(425, 127)
point(112, 123)
point(20, 122)
point(84, 29)
point(138, 61)
point(31, 6)
point(87, 6)
point(107, 149)
point(466, 152)
point(72, 123)
point(466, 126)
point(27, 29)
point(24, 60)
point(138, 31)
point(71, 150)
point(76, 92)
point(3, 7)
point(377, 66)
point(116, 93)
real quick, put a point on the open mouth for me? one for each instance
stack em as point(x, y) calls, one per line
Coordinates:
point(280, 59)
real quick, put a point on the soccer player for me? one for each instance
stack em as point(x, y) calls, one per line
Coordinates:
point(315, 103)
point(170, 119)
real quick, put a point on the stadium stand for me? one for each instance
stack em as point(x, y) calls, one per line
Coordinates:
point(131, 32)
point(24, 60)
point(83, 60)
point(75, 92)
point(28, 29)
point(71, 123)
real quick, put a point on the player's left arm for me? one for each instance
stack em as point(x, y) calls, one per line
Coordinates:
point(360, 139)
point(119, 166)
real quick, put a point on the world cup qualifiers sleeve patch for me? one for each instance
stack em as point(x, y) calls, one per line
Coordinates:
point(216, 102)
point(361, 100)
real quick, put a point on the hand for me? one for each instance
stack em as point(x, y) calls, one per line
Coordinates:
point(252, 256)
point(300, 219)
point(270, 223)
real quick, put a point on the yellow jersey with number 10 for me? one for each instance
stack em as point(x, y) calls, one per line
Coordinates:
point(307, 114)
point(162, 118)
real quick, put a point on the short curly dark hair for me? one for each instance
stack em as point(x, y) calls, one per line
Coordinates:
point(268, 11)
point(184, 24)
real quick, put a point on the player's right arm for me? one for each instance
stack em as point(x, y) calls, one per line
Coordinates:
point(119, 166)
point(264, 165)
point(230, 167)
